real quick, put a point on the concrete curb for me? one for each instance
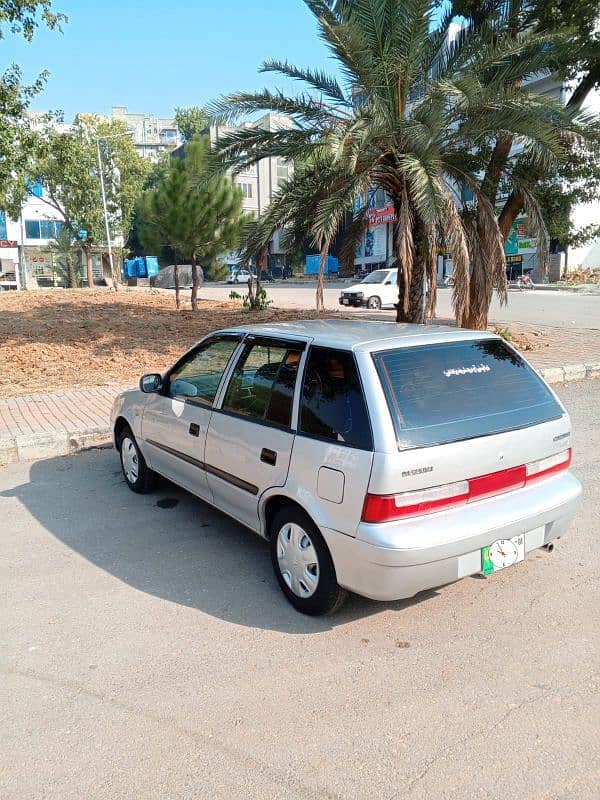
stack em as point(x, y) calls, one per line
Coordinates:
point(52, 444)
point(570, 372)
point(584, 288)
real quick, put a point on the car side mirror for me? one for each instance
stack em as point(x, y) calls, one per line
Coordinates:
point(389, 283)
point(151, 383)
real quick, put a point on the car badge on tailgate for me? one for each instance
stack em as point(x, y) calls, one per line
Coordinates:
point(420, 471)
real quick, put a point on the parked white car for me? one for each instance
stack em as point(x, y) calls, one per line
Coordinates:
point(241, 276)
point(377, 289)
point(375, 458)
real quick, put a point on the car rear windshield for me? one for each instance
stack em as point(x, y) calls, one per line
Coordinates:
point(461, 390)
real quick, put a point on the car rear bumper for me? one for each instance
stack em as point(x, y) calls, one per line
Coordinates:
point(396, 560)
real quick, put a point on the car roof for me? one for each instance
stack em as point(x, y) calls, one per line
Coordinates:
point(360, 333)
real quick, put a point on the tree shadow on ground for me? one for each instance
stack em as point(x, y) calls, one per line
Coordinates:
point(170, 544)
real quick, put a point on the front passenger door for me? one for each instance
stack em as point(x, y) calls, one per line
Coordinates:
point(175, 422)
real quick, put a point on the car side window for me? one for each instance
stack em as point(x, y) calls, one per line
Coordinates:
point(197, 377)
point(263, 382)
point(332, 404)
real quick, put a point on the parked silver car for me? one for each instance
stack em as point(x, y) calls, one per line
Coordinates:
point(378, 458)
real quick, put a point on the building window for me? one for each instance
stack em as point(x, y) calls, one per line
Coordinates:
point(283, 170)
point(3, 225)
point(246, 189)
point(42, 228)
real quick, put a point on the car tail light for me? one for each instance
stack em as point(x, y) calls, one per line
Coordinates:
point(389, 507)
point(384, 507)
point(550, 465)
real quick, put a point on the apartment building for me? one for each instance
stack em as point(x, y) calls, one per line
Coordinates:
point(151, 134)
point(521, 245)
point(261, 181)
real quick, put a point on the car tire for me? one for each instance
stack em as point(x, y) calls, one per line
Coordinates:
point(374, 303)
point(138, 475)
point(309, 585)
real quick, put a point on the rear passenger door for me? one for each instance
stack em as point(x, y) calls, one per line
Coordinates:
point(333, 450)
point(250, 437)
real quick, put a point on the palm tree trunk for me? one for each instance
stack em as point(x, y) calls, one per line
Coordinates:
point(479, 300)
point(195, 282)
point(481, 284)
point(416, 290)
point(72, 275)
point(416, 310)
point(321, 276)
point(511, 210)
point(403, 269)
point(89, 265)
point(176, 280)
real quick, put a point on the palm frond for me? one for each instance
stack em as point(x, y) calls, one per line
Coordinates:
point(317, 79)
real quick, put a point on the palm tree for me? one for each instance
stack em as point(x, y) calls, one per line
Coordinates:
point(295, 209)
point(68, 257)
point(411, 114)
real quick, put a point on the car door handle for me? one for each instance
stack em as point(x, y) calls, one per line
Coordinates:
point(268, 456)
point(194, 429)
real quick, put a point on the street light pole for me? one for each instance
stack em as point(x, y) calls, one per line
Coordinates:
point(106, 225)
point(110, 255)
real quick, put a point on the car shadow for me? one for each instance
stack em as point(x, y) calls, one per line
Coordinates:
point(170, 544)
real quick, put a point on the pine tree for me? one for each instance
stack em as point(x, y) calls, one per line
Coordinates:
point(197, 215)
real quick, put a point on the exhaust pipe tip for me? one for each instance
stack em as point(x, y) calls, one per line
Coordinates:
point(549, 547)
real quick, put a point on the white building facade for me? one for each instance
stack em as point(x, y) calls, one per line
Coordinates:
point(260, 182)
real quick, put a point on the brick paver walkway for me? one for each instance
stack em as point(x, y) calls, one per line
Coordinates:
point(75, 411)
point(47, 425)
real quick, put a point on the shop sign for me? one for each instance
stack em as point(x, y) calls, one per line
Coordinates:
point(381, 216)
point(519, 239)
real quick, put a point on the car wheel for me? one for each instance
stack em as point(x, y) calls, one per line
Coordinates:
point(303, 565)
point(138, 476)
point(374, 303)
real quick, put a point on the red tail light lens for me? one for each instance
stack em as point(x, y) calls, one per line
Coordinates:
point(384, 507)
point(497, 482)
point(389, 507)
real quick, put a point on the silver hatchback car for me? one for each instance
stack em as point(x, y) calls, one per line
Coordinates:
point(378, 458)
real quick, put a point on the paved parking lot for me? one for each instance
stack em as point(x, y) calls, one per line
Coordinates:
point(146, 652)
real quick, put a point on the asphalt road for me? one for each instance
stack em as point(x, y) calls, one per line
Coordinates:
point(554, 308)
point(145, 652)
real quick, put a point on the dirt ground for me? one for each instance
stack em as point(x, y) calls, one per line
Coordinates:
point(61, 339)
point(74, 338)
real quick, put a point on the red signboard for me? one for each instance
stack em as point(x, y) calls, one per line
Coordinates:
point(380, 216)
point(7, 243)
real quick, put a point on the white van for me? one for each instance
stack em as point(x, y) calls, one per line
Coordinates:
point(378, 289)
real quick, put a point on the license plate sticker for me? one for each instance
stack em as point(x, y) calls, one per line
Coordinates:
point(502, 553)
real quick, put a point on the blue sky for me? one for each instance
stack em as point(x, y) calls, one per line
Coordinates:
point(152, 56)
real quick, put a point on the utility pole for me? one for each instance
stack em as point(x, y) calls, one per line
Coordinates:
point(106, 225)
